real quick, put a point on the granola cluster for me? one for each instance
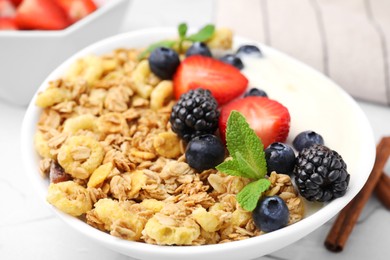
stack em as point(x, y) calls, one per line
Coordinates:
point(106, 144)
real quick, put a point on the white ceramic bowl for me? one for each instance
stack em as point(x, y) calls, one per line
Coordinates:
point(27, 57)
point(331, 112)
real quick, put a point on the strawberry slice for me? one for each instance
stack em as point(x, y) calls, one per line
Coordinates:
point(7, 9)
point(268, 118)
point(77, 9)
point(7, 23)
point(16, 2)
point(42, 15)
point(223, 80)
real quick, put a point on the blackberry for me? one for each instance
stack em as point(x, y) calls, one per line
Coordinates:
point(195, 114)
point(321, 174)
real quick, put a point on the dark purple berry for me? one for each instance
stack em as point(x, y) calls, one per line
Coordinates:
point(205, 152)
point(198, 48)
point(280, 158)
point(196, 113)
point(270, 214)
point(321, 174)
point(307, 139)
point(256, 93)
point(233, 60)
point(163, 62)
point(249, 50)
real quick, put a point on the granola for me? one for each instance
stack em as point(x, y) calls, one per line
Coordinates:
point(106, 123)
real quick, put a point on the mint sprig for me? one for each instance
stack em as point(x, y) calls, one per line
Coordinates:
point(202, 35)
point(166, 43)
point(182, 30)
point(247, 151)
point(251, 193)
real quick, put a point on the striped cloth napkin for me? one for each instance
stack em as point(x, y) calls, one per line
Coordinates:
point(347, 40)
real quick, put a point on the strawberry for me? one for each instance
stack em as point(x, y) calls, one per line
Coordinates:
point(7, 9)
point(268, 118)
point(7, 23)
point(77, 9)
point(223, 80)
point(16, 2)
point(41, 14)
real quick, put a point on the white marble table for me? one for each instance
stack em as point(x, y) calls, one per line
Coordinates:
point(29, 230)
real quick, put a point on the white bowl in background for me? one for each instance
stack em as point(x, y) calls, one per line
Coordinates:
point(335, 115)
point(27, 57)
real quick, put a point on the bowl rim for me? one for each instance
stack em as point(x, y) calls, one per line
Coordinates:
point(308, 224)
point(106, 7)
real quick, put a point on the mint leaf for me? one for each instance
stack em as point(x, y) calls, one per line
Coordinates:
point(241, 139)
point(232, 167)
point(245, 166)
point(182, 30)
point(203, 35)
point(152, 47)
point(249, 196)
point(248, 160)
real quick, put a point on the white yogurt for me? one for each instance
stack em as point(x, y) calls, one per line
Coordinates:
point(313, 101)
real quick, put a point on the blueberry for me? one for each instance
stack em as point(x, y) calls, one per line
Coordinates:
point(233, 60)
point(280, 158)
point(198, 48)
point(249, 50)
point(205, 152)
point(307, 139)
point(256, 92)
point(271, 213)
point(163, 62)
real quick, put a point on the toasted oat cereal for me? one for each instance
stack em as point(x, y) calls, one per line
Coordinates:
point(80, 156)
point(99, 175)
point(106, 124)
point(113, 216)
point(222, 39)
point(167, 144)
point(81, 122)
point(207, 220)
point(52, 96)
point(69, 197)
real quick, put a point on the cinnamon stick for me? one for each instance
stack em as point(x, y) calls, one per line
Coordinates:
point(382, 190)
point(348, 217)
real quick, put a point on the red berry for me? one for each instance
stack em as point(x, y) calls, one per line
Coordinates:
point(223, 80)
point(7, 23)
point(7, 9)
point(77, 9)
point(16, 2)
point(41, 14)
point(268, 118)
